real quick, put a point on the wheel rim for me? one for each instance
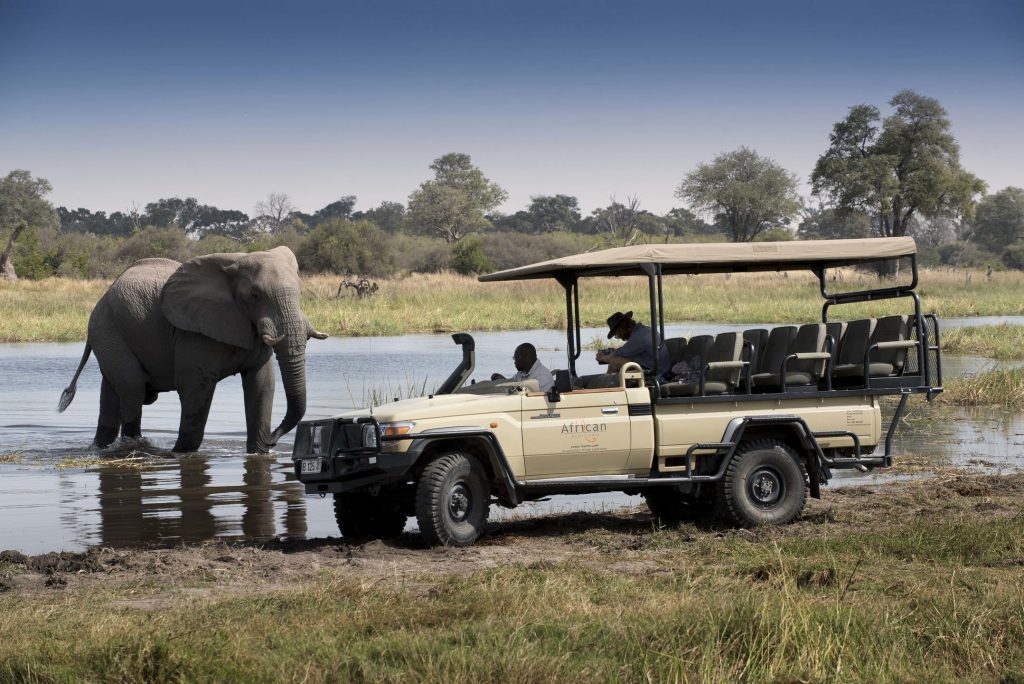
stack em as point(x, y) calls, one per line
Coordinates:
point(766, 487)
point(460, 502)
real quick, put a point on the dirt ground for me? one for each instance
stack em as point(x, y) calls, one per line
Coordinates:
point(620, 541)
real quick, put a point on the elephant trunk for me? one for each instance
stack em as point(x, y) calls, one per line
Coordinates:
point(291, 359)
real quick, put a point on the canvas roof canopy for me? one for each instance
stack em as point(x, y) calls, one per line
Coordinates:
point(715, 258)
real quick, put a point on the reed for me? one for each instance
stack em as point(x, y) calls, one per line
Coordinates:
point(1002, 341)
point(999, 387)
point(58, 309)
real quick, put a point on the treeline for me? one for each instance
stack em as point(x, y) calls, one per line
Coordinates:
point(880, 176)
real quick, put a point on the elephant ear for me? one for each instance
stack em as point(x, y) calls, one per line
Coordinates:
point(199, 297)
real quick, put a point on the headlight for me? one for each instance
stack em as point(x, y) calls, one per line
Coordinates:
point(389, 431)
point(369, 436)
point(316, 439)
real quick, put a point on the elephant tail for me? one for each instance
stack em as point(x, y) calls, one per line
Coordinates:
point(68, 394)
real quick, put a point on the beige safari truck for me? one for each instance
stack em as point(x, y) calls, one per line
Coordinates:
point(767, 418)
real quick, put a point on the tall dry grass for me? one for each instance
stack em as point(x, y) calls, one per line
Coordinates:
point(58, 309)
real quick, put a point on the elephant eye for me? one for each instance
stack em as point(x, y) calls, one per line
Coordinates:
point(254, 296)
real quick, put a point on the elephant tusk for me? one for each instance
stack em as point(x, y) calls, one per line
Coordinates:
point(272, 341)
point(318, 335)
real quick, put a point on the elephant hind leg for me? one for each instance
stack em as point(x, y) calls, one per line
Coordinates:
point(151, 396)
point(109, 423)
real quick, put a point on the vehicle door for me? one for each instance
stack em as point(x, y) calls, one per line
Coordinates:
point(586, 432)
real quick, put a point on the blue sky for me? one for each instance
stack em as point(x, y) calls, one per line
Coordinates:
point(122, 102)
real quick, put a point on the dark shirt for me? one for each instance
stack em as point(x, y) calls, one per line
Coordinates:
point(638, 349)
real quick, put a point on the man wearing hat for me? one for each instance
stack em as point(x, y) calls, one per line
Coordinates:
point(637, 347)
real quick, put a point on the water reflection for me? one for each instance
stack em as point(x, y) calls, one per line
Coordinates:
point(194, 500)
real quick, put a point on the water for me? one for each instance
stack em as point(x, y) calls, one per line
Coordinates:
point(223, 494)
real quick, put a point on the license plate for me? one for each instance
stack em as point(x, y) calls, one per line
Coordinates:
point(311, 465)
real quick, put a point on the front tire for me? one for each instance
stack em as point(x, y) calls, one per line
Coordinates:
point(452, 501)
point(765, 483)
point(362, 517)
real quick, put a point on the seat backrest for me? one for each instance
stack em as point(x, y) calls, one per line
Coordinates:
point(890, 329)
point(809, 338)
point(728, 346)
point(855, 341)
point(757, 338)
point(698, 347)
point(835, 330)
point(776, 348)
point(675, 346)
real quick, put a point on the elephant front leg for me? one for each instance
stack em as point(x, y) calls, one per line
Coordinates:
point(195, 410)
point(258, 392)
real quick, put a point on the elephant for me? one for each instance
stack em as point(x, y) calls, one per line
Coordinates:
point(164, 325)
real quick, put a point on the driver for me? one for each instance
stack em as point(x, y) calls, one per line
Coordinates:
point(528, 367)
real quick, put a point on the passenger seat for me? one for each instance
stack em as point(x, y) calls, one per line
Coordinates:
point(808, 368)
point(723, 369)
point(891, 332)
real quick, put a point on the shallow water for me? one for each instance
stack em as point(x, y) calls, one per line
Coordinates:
point(47, 503)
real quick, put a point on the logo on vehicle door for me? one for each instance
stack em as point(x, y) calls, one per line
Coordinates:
point(587, 431)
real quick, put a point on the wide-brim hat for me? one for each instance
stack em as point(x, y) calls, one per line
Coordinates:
point(616, 319)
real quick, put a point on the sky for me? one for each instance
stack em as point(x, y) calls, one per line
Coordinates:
point(122, 103)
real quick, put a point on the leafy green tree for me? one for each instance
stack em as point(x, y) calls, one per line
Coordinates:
point(468, 256)
point(341, 209)
point(23, 209)
point(747, 193)
point(827, 223)
point(999, 219)
point(895, 169)
point(343, 246)
point(682, 222)
point(456, 202)
point(553, 213)
point(619, 224)
point(389, 216)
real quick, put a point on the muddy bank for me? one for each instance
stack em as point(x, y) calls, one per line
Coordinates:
point(624, 541)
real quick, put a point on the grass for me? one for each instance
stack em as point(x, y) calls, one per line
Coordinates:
point(1002, 342)
point(58, 309)
point(857, 592)
point(999, 387)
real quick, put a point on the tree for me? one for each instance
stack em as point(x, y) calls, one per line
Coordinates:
point(23, 209)
point(455, 203)
point(343, 246)
point(905, 166)
point(172, 211)
point(683, 222)
point(619, 223)
point(341, 209)
point(389, 216)
point(827, 223)
point(745, 192)
point(552, 213)
point(274, 214)
point(999, 219)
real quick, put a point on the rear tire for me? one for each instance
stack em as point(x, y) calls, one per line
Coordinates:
point(452, 501)
point(362, 517)
point(765, 483)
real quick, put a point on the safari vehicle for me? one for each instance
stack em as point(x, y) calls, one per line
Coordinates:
point(773, 414)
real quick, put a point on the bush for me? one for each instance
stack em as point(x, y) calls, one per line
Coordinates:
point(508, 250)
point(420, 253)
point(343, 246)
point(468, 256)
point(965, 255)
point(1013, 256)
point(168, 243)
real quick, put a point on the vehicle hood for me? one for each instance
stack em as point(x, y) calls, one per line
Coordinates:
point(440, 406)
